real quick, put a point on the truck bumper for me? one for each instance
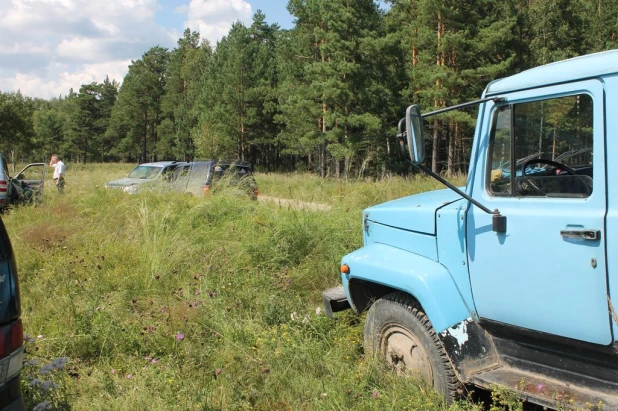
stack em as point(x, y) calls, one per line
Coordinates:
point(334, 301)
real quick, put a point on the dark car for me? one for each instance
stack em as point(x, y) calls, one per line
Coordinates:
point(209, 176)
point(11, 329)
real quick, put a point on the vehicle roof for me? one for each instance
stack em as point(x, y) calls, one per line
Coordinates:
point(161, 163)
point(577, 68)
point(223, 162)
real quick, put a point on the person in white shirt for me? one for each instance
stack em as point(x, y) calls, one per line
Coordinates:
point(59, 169)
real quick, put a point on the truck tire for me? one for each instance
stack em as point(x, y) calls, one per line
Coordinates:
point(397, 330)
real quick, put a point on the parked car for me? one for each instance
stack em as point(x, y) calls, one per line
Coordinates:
point(26, 186)
point(11, 329)
point(145, 175)
point(204, 177)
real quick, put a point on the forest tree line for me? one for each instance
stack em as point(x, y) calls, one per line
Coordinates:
point(324, 96)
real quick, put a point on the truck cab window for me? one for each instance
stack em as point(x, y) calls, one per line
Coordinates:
point(543, 148)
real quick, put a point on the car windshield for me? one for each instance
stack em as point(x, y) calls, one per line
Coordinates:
point(145, 172)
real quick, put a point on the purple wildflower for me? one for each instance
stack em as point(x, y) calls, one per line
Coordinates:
point(48, 385)
point(180, 337)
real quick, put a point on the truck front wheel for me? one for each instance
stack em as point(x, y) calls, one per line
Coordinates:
point(397, 330)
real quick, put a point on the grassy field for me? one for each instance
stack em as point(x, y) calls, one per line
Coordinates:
point(172, 302)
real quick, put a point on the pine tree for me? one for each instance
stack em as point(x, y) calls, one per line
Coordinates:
point(238, 99)
point(137, 114)
point(261, 97)
point(183, 80)
point(600, 23)
point(333, 70)
point(557, 30)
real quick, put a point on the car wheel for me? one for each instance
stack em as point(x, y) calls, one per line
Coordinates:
point(398, 331)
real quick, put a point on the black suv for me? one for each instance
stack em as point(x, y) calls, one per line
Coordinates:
point(204, 177)
point(11, 329)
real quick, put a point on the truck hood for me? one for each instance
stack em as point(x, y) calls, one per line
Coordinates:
point(127, 181)
point(413, 213)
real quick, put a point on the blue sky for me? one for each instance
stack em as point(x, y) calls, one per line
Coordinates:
point(275, 11)
point(50, 46)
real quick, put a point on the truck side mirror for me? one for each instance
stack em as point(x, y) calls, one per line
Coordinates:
point(414, 134)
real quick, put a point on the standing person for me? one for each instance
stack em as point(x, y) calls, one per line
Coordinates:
point(59, 168)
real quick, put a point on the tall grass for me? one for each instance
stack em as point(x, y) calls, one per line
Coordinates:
point(163, 301)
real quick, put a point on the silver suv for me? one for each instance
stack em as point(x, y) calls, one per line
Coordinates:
point(145, 175)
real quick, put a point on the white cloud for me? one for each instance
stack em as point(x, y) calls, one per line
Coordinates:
point(80, 48)
point(62, 80)
point(50, 46)
point(213, 18)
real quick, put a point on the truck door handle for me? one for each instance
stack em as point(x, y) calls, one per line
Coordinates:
point(584, 234)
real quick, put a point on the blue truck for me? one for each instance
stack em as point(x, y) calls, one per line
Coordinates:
point(510, 281)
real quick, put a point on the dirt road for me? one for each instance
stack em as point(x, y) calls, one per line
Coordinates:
point(296, 204)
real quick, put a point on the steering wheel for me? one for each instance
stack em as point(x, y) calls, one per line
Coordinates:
point(530, 185)
point(555, 164)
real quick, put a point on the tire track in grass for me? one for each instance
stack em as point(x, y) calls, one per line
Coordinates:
point(296, 204)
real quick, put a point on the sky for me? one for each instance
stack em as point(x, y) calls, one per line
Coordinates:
point(50, 46)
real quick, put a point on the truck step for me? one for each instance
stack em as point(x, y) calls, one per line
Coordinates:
point(334, 301)
point(547, 392)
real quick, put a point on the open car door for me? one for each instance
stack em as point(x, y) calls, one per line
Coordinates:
point(28, 184)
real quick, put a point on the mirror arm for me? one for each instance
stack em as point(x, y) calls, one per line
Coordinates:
point(400, 132)
point(401, 136)
point(464, 105)
point(455, 189)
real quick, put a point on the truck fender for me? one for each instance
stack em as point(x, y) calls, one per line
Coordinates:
point(378, 269)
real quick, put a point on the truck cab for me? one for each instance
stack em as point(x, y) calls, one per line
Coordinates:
point(509, 281)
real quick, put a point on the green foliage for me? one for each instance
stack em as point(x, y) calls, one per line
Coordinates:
point(505, 399)
point(332, 93)
point(16, 127)
point(90, 119)
point(184, 78)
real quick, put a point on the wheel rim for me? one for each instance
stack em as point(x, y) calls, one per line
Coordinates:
point(404, 352)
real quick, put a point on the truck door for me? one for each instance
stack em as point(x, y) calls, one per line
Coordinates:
point(541, 163)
